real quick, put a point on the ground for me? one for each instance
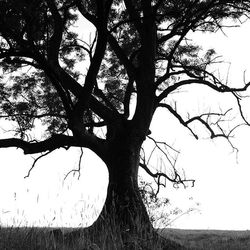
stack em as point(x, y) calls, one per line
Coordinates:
point(41, 238)
point(209, 239)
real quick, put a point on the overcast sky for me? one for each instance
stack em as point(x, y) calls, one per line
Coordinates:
point(220, 194)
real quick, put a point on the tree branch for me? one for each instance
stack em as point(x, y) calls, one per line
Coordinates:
point(134, 15)
point(55, 40)
point(222, 88)
point(35, 161)
point(121, 55)
point(91, 18)
point(102, 111)
point(206, 124)
point(238, 98)
point(90, 79)
point(176, 180)
point(78, 170)
point(34, 115)
point(179, 118)
point(127, 97)
point(54, 142)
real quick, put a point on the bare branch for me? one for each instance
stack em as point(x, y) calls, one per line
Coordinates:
point(204, 120)
point(238, 98)
point(35, 161)
point(180, 119)
point(208, 126)
point(200, 119)
point(78, 170)
point(219, 88)
point(176, 180)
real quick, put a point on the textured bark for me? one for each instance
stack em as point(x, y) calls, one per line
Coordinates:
point(123, 204)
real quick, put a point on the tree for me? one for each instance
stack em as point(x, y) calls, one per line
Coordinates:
point(138, 58)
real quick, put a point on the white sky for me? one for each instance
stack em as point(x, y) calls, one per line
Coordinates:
point(221, 187)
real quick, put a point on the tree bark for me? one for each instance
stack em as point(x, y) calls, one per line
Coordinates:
point(124, 217)
point(124, 206)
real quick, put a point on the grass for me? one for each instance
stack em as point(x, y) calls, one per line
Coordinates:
point(34, 238)
point(209, 239)
point(42, 238)
point(20, 238)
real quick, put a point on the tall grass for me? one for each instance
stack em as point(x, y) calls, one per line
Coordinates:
point(27, 238)
point(209, 239)
point(18, 234)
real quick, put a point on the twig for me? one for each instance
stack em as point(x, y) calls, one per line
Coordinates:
point(76, 170)
point(35, 161)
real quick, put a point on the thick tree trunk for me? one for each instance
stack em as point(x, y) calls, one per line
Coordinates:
point(123, 206)
point(124, 218)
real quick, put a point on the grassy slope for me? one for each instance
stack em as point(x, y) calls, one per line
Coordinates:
point(209, 239)
point(25, 238)
point(39, 238)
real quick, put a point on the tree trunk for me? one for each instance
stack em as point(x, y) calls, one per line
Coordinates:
point(124, 219)
point(124, 206)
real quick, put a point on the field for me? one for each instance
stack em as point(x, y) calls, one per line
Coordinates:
point(52, 238)
point(209, 239)
point(42, 238)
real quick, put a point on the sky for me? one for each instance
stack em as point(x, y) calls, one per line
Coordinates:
point(219, 199)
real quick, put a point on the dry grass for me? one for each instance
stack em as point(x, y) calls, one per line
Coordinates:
point(42, 238)
point(209, 239)
point(48, 238)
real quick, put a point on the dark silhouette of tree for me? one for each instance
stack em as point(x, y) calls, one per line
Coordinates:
point(138, 58)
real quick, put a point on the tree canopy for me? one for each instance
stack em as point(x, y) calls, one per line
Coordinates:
point(139, 55)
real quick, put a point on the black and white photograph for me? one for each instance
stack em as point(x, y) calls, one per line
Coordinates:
point(124, 124)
